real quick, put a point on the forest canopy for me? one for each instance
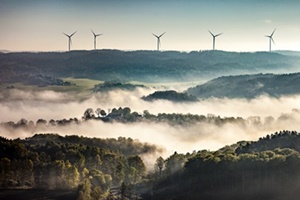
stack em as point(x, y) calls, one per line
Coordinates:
point(266, 168)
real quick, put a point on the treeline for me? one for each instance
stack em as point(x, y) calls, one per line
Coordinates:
point(266, 169)
point(49, 161)
point(125, 115)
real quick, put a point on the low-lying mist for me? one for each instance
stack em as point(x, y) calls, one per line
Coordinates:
point(275, 114)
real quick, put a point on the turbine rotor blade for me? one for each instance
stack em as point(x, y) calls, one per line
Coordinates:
point(218, 34)
point(211, 33)
point(93, 33)
point(272, 40)
point(155, 35)
point(273, 32)
point(66, 35)
point(98, 35)
point(161, 34)
point(73, 34)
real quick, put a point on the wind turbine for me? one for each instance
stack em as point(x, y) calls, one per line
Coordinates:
point(271, 39)
point(70, 40)
point(214, 38)
point(95, 36)
point(158, 39)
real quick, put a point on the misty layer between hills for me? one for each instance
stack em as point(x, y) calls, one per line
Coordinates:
point(34, 105)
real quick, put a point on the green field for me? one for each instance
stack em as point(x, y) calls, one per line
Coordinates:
point(80, 85)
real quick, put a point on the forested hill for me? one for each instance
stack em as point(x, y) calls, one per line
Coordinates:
point(249, 86)
point(170, 95)
point(265, 169)
point(143, 65)
point(88, 167)
point(126, 146)
point(92, 168)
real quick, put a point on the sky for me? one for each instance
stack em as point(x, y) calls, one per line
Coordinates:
point(38, 25)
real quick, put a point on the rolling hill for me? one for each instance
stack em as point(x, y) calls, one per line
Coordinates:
point(146, 66)
point(264, 169)
point(170, 95)
point(249, 86)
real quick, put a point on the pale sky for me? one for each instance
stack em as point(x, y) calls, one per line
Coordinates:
point(37, 25)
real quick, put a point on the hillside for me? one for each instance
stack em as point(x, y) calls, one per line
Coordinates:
point(170, 95)
point(249, 86)
point(115, 85)
point(69, 166)
point(146, 66)
point(53, 166)
point(265, 169)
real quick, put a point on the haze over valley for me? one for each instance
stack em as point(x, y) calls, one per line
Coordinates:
point(149, 100)
point(152, 102)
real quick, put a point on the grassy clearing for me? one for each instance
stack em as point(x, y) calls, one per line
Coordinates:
point(81, 86)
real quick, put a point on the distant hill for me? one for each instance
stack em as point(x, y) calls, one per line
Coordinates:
point(170, 95)
point(249, 86)
point(4, 51)
point(109, 86)
point(288, 53)
point(32, 79)
point(146, 66)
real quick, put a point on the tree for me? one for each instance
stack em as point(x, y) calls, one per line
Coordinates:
point(84, 190)
point(139, 168)
point(88, 114)
point(22, 123)
point(97, 112)
point(41, 122)
point(98, 161)
point(159, 164)
point(175, 163)
point(100, 113)
point(72, 175)
point(52, 122)
point(103, 113)
point(85, 172)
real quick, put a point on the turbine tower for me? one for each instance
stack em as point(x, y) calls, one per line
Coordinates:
point(271, 39)
point(95, 36)
point(70, 40)
point(158, 39)
point(214, 38)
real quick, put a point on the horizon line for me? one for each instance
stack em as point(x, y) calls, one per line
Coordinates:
point(4, 51)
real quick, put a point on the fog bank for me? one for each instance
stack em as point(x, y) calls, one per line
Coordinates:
point(54, 105)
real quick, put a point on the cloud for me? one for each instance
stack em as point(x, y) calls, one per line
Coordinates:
point(267, 21)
